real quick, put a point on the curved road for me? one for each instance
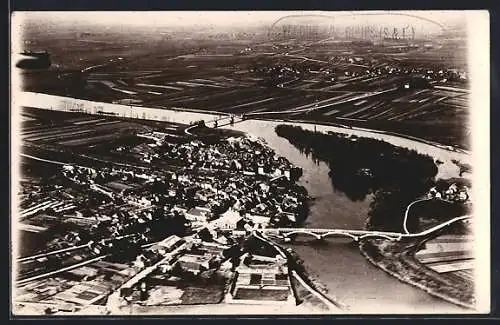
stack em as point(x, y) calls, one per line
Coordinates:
point(405, 220)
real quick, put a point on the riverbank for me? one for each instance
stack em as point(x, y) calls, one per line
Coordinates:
point(398, 260)
point(393, 187)
point(339, 264)
point(307, 292)
point(313, 282)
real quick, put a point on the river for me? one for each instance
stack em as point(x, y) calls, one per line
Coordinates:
point(338, 263)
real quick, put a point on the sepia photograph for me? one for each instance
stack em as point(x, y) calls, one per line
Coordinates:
point(249, 163)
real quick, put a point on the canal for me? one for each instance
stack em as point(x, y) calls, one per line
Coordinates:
point(337, 262)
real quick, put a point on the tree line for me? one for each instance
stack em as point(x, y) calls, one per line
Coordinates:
point(362, 166)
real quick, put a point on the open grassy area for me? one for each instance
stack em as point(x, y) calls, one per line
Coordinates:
point(265, 294)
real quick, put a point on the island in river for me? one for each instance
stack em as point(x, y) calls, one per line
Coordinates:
point(338, 263)
point(360, 167)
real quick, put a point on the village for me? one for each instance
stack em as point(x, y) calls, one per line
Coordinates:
point(150, 234)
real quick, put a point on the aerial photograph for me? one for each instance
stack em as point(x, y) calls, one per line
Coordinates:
point(247, 163)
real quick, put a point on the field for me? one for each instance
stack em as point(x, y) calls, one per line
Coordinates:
point(333, 82)
point(450, 254)
point(70, 137)
point(82, 130)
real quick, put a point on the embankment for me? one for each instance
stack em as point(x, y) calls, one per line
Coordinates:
point(397, 259)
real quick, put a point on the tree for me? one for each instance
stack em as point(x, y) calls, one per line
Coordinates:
point(360, 166)
point(205, 235)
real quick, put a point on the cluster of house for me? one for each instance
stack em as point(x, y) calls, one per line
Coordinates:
point(119, 176)
point(241, 154)
point(119, 199)
point(255, 190)
point(170, 260)
point(261, 280)
point(354, 66)
point(40, 199)
point(256, 279)
point(262, 194)
point(224, 201)
point(76, 288)
point(454, 193)
point(55, 205)
point(428, 72)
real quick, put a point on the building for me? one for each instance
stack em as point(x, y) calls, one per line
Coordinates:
point(259, 221)
point(198, 214)
point(194, 263)
point(167, 245)
point(261, 281)
point(228, 220)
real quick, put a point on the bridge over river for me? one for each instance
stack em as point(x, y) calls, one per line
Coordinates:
point(356, 235)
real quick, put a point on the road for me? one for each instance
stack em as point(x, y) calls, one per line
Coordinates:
point(44, 160)
point(64, 250)
point(405, 219)
point(360, 234)
point(50, 161)
point(188, 130)
point(64, 269)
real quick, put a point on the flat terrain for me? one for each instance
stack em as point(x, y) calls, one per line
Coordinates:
point(335, 82)
point(72, 137)
point(450, 254)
